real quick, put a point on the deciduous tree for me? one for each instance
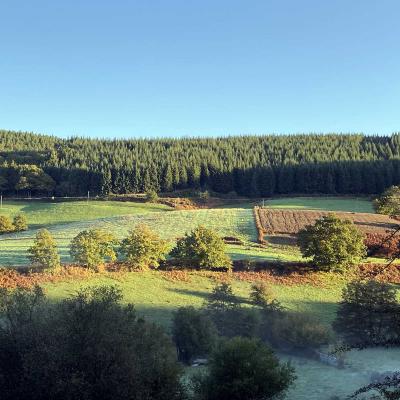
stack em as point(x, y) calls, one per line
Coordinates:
point(93, 247)
point(332, 243)
point(202, 249)
point(44, 251)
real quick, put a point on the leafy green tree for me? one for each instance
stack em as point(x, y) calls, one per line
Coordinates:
point(202, 249)
point(44, 252)
point(193, 332)
point(333, 244)
point(20, 223)
point(388, 202)
point(93, 247)
point(88, 346)
point(33, 178)
point(367, 314)
point(143, 248)
point(6, 224)
point(244, 369)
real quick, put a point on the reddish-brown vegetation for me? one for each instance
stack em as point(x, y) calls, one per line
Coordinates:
point(290, 222)
point(382, 245)
point(11, 278)
point(176, 275)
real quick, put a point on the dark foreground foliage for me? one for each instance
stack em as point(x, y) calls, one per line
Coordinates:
point(87, 347)
point(244, 369)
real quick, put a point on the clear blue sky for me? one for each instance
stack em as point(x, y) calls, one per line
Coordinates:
point(199, 67)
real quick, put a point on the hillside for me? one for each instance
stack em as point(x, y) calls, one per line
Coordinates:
point(255, 166)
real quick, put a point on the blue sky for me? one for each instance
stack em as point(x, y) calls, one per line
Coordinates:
point(190, 68)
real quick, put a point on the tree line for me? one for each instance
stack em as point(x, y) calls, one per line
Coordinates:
point(247, 165)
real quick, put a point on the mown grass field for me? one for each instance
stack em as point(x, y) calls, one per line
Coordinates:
point(361, 205)
point(169, 225)
point(45, 214)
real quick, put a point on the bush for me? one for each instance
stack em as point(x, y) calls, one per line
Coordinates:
point(244, 369)
point(202, 249)
point(143, 248)
point(20, 223)
point(44, 251)
point(204, 195)
point(367, 314)
point(6, 225)
point(333, 244)
point(194, 333)
point(388, 202)
point(296, 332)
point(93, 247)
point(86, 347)
point(152, 196)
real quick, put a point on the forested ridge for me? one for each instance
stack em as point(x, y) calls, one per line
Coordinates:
point(248, 165)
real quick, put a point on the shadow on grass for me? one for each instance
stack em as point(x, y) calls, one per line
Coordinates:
point(205, 295)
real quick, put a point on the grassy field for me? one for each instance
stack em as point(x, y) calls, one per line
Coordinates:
point(169, 225)
point(322, 203)
point(156, 295)
point(67, 219)
point(44, 214)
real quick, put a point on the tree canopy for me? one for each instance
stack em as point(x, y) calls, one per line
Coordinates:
point(202, 248)
point(332, 243)
point(248, 165)
point(389, 202)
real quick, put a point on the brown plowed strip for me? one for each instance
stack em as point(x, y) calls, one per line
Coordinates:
point(275, 221)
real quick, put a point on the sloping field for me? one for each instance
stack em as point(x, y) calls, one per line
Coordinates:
point(322, 203)
point(47, 213)
point(169, 225)
point(280, 221)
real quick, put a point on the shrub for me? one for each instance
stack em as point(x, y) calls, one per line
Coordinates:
point(152, 196)
point(333, 244)
point(293, 331)
point(194, 333)
point(367, 314)
point(93, 247)
point(202, 249)
point(6, 224)
point(244, 369)
point(204, 195)
point(44, 252)
point(143, 248)
point(20, 223)
point(388, 202)
point(86, 347)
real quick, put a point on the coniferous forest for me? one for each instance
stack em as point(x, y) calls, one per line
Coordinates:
point(252, 166)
